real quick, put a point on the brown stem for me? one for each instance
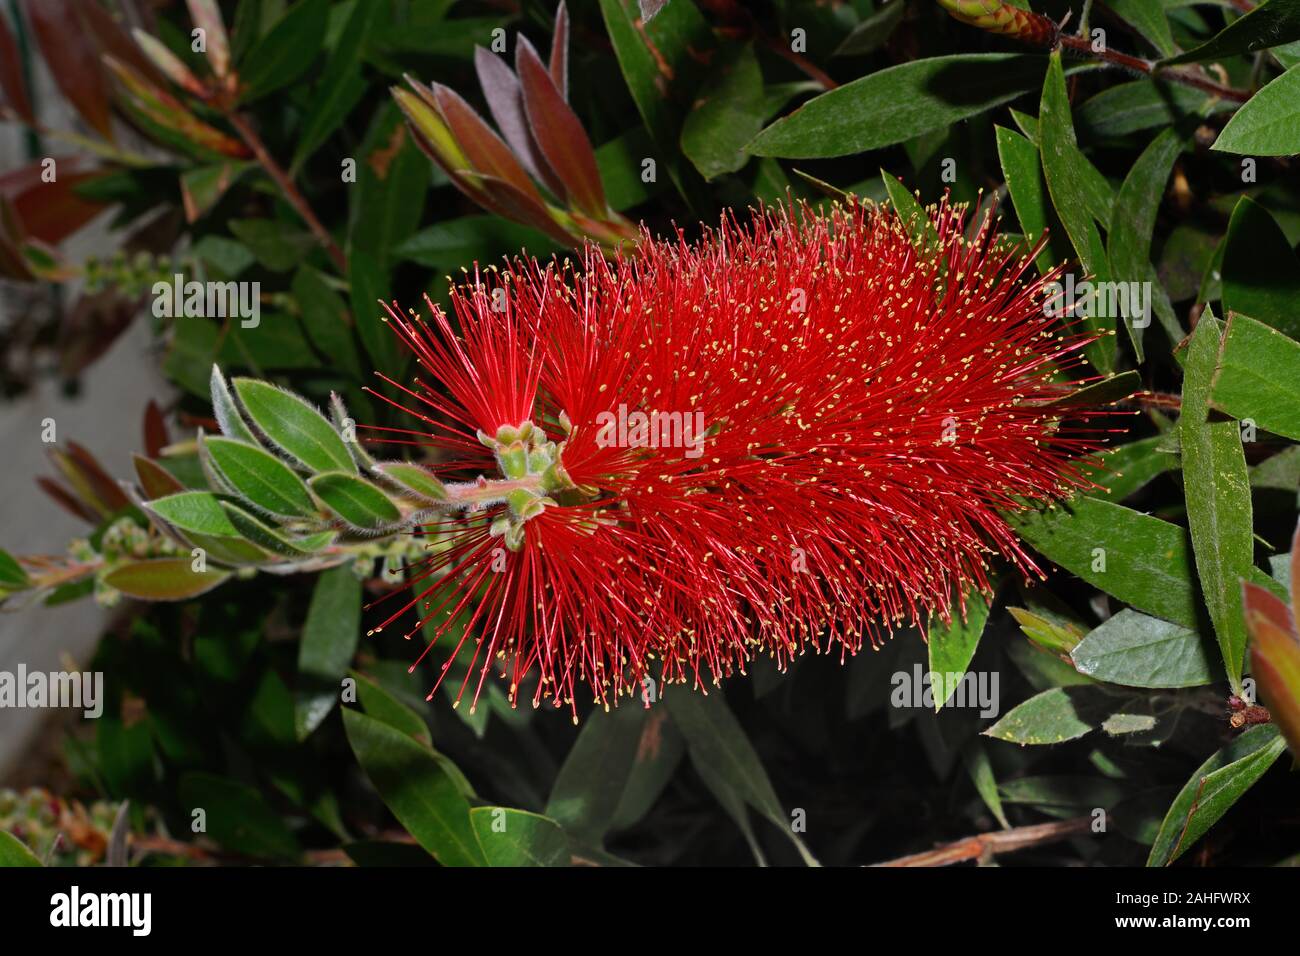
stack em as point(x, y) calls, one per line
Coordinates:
point(1149, 68)
point(783, 50)
point(982, 846)
point(291, 193)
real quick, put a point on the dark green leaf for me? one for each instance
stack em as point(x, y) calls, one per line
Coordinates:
point(1213, 789)
point(1218, 498)
point(1270, 24)
point(1259, 377)
point(728, 113)
point(329, 640)
point(952, 646)
point(1261, 275)
point(423, 797)
point(587, 792)
point(237, 817)
point(899, 103)
point(1052, 717)
point(286, 52)
point(1136, 650)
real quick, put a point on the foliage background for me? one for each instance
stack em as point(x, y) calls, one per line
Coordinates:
point(226, 701)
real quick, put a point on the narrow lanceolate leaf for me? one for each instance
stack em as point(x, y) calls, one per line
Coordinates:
point(1064, 168)
point(898, 103)
point(264, 536)
point(163, 114)
point(1218, 499)
point(559, 133)
point(329, 641)
point(164, 579)
point(227, 413)
point(1141, 560)
point(716, 742)
point(423, 797)
point(1273, 23)
point(518, 838)
point(590, 786)
point(1213, 789)
point(287, 50)
point(293, 426)
point(952, 646)
point(1261, 275)
point(206, 16)
point(355, 500)
point(1275, 659)
point(483, 151)
point(1125, 469)
point(197, 511)
point(414, 480)
point(1129, 242)
point(260, 478)
point(1023, 174)
point(238, 817)
point(1259, 377)
point(1267, 124)
point(1052, 717)
point(1137, 650)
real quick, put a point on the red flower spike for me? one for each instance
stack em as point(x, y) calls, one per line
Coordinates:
point(797, 432)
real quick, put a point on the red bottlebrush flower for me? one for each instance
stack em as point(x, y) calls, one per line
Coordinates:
point(799, 431)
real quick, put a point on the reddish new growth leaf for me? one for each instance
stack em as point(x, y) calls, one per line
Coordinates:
point(796, 432)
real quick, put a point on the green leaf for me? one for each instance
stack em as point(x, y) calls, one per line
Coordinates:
point(276, 245)
point(270, 539)
point(1259, 377)
point(976, 760)
point(913, 215)
point(355, 500)
point(1139, 105)
point(285, 53)
point(1052, 717)
point(1148, 18)
point(1123, 470)
point(1213, 789)
point(420, 793)
point(326, 319)
point(448, 245)
point(1218, 499)
point(716, 741)
point(518, 838)
point(1134, 557)
point(413, 479)
point(294, 426)
point(1261, 275)
point(591, 783)
point(341, 87)
point(1270, 24)
point(1129, 241)
point(203, 186)
point(14, 853)
point(227, 413)
point(260, 477)
point(899, 103)
point(873, 31)
point(237, 817)
point(1024, 178)
point(1267, 124)
point(12, 575)
point(384, 707)
point(728, 112)
point(952, 646)
point(329, 641)
point(1064, 168)
point(1136, 650)
point(163, 579)
point(197, 511)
